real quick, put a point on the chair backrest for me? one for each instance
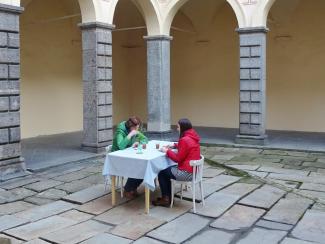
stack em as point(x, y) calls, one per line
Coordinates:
point(197, 169)
point(108, 148)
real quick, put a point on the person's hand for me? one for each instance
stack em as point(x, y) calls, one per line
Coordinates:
point(171, 146)
point(132, 133)
point(136, 144)
point(164, 149)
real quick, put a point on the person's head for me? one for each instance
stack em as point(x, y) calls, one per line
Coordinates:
point(133, 123)
point(183, 125)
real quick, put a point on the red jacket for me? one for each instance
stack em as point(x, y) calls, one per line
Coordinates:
point(188, 149)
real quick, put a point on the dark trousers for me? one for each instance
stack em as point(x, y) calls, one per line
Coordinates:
point(132, 184)
point(164, 177)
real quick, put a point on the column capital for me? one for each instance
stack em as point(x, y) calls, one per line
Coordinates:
point(158, 38)
point(11, 9)
point(93, 25)
point(251, 30)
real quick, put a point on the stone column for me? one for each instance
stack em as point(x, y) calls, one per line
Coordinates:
point(11, 162)
point(252, 86)
point(97, 86)
point(158, 86)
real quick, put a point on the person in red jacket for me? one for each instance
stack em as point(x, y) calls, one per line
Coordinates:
point(188, 148)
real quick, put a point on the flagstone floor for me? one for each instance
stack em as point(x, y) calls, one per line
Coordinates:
point(251, 196)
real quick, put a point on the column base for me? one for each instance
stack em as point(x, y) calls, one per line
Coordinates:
point(162, 135)
point(251, 140)
point(13, 170)
point(95, 148)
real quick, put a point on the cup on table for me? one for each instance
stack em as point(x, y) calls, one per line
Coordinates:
point(144, 146)
point(157, 145)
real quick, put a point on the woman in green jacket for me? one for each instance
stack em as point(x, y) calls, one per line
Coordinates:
point(127, 134)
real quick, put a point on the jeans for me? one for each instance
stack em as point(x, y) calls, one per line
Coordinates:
point(164, 177)
point(132, 184)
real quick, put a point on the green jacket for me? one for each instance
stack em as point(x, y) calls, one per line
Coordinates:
point(121, 141)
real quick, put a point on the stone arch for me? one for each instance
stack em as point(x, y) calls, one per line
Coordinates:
point(259, 17)
point(174, 5)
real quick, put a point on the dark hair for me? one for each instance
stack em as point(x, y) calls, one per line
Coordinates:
point(132, 122)
point(184, 125)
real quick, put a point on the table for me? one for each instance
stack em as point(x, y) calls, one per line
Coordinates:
point(129, 163)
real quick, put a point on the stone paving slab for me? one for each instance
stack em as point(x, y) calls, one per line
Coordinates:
point(264, 160)
point(263, 197)
point(257, 173)
point(283, 171)
point(86, 195)
point(101, 204)
point(104, 238)
point(9, 221)
point(223, 157)
point(14, 207)
point(210, 186)
point(312, 187)
point(314, 164)
point(238, 217)
point(275, 152)
point(74, 186)
point(311, 227)
point(38, 200)
point(274, 225)
point(313, 194)
point(263, 236)
point(295, 241)
point(72, 176)
point(137, 226)
point(53, 194)
point(244, 166)
point(12, 240)
point(212, 172)
point(45, 211)
point(122, 213)
point(319, 207)
point(168, 214)
point(42, 227)
point(289, 184)
point(11, 184)
point(147, 240)
point(76, 233)
point(212, 236)
point(76, 215)
point(180, 229)
point(224, 199)
point(94, 169)
point(37, 241)
point(288, 210)
point(94, 179)
point(43, 185)
point(15, 195)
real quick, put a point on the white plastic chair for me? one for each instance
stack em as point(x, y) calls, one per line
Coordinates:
point(119, 179)
point(196, 179)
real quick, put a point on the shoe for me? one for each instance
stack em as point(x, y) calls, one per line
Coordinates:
point(130, 194)
point(163, 201)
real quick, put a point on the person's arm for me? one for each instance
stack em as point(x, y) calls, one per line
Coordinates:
point(180, 156)
point(122, 141)
point(142, 138)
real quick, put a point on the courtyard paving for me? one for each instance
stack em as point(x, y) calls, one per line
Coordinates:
point(251, 196)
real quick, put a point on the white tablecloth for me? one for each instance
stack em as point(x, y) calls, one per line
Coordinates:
point(146, 166)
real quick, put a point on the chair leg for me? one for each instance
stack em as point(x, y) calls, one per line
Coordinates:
point(122, 183)
point(202, 195)
point(193, 197)
point(156, 182)
point(172, 193)
point(106, 183)
point(181, 192)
